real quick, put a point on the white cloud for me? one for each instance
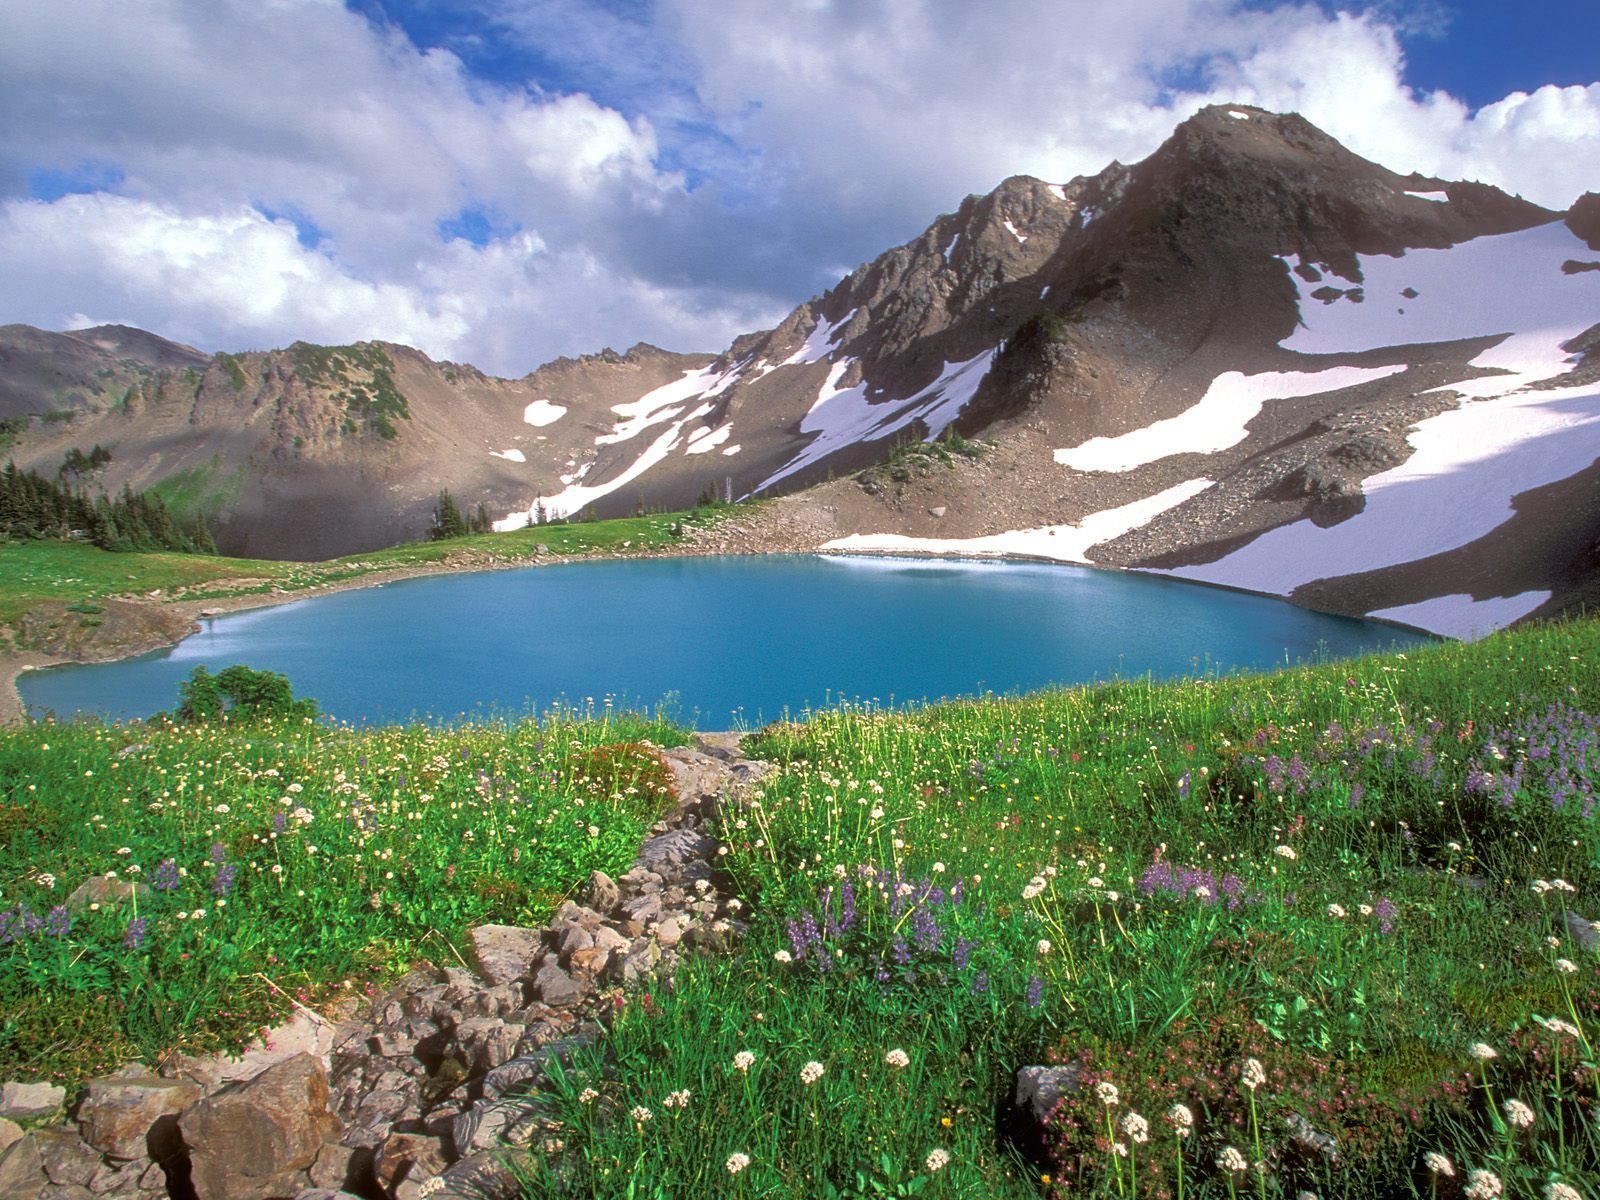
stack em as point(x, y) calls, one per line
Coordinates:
point(742, 158)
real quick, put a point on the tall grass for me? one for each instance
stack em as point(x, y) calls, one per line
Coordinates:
point(239, 867)
point(1289, 903)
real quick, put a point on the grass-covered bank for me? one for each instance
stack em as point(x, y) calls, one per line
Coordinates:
point(1315, 921)
point(77, 572)
point(242, 866)
point(1244, 907)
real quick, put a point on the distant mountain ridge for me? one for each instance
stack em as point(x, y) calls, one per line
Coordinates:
point(1241, 341)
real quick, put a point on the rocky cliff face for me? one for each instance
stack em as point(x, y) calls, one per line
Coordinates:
point(1234, 355)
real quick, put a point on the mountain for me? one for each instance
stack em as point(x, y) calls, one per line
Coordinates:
point(1254, 359)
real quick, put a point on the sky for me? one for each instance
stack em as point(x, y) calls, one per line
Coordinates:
point(502, 182)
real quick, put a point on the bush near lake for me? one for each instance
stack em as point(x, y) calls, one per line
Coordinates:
point(1324, 932)
point(174, 887)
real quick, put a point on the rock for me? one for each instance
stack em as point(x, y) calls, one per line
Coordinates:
point(66, 1159)
point(602, 893)
point(332, 1167)
point(670, 932)
point(10, 1132)
point(135, 1117)
point(640, 961)
point(695, 776)
point(669, 853)
point(720, 745)
point(412, 1156)
point(21, 1170)
point(1581, 930)
point(322, 1193)
point(555, 987)
point(481, 1176)
point(247, 1141)
point(937, 511)
point(643, 909)
point(305, 1033)
point(30, 1101)
point(575, 914)
point(1311, 1139)
point(99, 889)
point(574, 938)
point(503, 952)
point(1039, 1088)
point(118, 1180)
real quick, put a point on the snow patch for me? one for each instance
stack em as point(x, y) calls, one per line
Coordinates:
point(819, 343)
point(1469, 463)
point(732, 450)
point(1460, 616)
point(951, 248)
point(510, 455)
point(1056, 190)
point(1218, 422)
point(542, 412)
point(843, 416)
point(1059, 543)
point(1237, 115)
point(701, 441)
point(654, 407)
point(1012, 229)
point(1436, 197)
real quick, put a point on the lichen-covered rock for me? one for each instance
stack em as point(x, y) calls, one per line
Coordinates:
point(30, 1101)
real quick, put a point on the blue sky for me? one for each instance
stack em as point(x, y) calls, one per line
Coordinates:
point(504, 181)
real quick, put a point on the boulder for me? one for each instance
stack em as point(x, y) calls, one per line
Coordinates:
point(10, 1132)
point(668, 854)
point(602, 893)
point(249, 1141)
point(413, 1156)
point(103, 890)
point(503, 952)
point(127, 1117)
point(22, 1170)
point(30, 1101)
point(555, 987)
point(1040, 1088)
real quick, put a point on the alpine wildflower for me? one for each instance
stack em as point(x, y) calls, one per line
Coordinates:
point(897, 1059)
point(1518, 1114)
point(1484, 1185)
point(1231, 1160)
point(1181, 1118)
point(743, 1061)
point(737, 1161)
point(1438, 1164)
point(1135, 1127)
point(938, 1159)
point(1106, 1092)
point(811, 1072)
point(1252, 1074)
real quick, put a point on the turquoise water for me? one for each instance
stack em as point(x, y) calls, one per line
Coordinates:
point(724, 640)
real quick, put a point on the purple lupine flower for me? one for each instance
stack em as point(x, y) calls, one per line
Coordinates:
point(133, 937)
point(956, 892)
point(1232, 887)
point(1356, 792)
point(32, 922)
point(279, 822)
point(223, 883)
point(980, 983)
point(847, 906)
point(10, 927)
point(218, 852)
point(1035, 994)
point(901, 952)
point(59, 923)
point(1183, 786)
point(924, 930)
point(1385, 910)
point(959, 954)
point(165, 876)
point(361, 761)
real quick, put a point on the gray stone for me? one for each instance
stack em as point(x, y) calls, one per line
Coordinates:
point(65, 1156)
point(1311, 1139)
point(1581, 930)
point(573, 938)
point(485, 1175)
point(331, 1168)
point(22, 1170)
point(1039, 1089)
point(249, 1140)
point(413, 1156)
point(135, 1116)
point(555, 987)
point(98, 889)
point(503, 952)
point(937, 511)
point(643, 909)
point(640, 961)
point(118, 1180)
point(670, 852)
point(30, 1101)
point(602, 893)
point(10, 1132)
point(671, 930)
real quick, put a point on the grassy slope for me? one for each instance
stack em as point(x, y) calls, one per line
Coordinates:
point(34, 571)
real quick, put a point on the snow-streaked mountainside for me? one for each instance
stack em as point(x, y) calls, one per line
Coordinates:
point(1253, 359)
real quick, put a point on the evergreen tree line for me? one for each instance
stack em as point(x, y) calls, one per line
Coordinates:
point(448, 521)
point(33, 508)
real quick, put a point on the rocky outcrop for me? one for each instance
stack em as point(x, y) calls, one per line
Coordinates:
point(434, 1088)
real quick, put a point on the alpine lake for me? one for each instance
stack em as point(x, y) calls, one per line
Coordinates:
point(730, 642)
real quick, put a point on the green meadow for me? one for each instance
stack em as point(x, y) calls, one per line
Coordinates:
point(1321, 931)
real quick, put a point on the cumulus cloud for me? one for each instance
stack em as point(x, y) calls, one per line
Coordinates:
point(265, 170)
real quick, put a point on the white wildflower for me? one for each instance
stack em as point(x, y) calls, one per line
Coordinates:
point(897, 1059)
point(1106, 1091)
point(1518, 1114)
point(1566, 966)
point(1285, 852)
point(640, 1114)
point(1556, 1190)
point(1043, 947)
point(1483, 1185)
point(1135, 1127)
point(938, 1159)
point(737, 1161)
point(1336, 911)
point(1231, 1160)
point(743, 1061)
point(1252, 1074)
point(1181, 1118)
point(783, 956)
point(1482, 1052)
point(811, 1072)
point(1438, 1164)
